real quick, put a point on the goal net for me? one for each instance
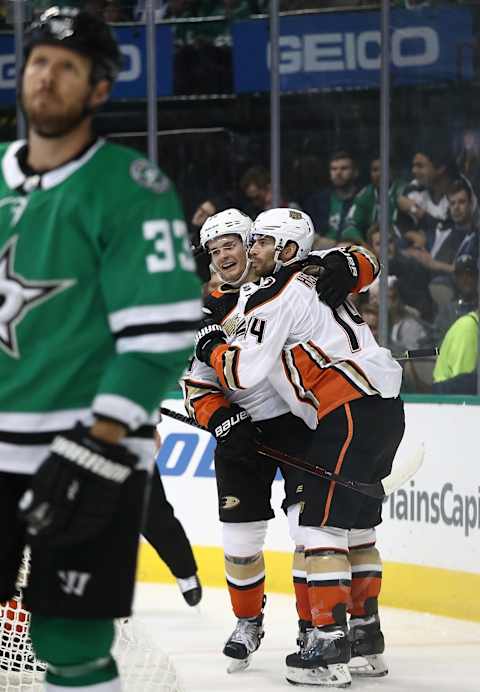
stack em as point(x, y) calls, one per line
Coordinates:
point(143, 666)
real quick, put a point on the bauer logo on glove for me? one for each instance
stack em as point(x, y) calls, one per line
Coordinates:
point(223, 429)
point(207, 338)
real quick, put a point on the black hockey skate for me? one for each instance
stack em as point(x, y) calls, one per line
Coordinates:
point(304, 627)
point(244, 641)
point(191, 589)
point(367, 644)
point(322, 660)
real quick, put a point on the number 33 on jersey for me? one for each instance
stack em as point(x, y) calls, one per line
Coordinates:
point(96, 277)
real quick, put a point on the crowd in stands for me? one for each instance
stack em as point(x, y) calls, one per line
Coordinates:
point(433, 210)
point(433, 251)
point(134, 10)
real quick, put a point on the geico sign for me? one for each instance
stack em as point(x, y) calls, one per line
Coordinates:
point(333, 52)
point(132, 67)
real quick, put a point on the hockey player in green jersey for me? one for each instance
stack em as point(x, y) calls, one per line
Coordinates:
point(98, 305)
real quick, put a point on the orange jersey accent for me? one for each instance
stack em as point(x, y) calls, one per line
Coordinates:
point(317, 358)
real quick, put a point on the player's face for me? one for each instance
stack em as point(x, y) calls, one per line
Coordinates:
point(342, 172)
point(262, 254)
point(228, 256)
point(56, 91)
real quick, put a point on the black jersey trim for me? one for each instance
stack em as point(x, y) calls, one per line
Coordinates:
point(265, 294)
point(26, 439)
point(157, 328)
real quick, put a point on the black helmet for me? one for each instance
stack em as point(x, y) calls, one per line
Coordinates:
point(79, 31)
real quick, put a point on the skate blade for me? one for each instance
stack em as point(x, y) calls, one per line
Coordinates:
point(336, 675)
point(238, 664)
point(372, 666)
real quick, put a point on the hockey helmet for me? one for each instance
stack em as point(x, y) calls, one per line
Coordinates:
point(227, 222)
point(80, 31)
point(284, 225)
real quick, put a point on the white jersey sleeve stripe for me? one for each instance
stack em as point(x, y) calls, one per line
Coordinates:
point(156, 343)
point(50, 421)
point(120, 408)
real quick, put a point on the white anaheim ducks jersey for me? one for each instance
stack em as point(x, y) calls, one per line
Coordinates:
point(202, 390)
point(262, 402)
point(315, 357)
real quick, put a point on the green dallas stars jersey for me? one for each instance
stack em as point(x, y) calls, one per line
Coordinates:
point(98, 296)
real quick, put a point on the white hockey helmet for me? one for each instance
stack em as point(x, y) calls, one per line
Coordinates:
point(227, 222)
point(284, 225)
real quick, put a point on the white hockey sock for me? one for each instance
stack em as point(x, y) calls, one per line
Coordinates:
point(110, 686)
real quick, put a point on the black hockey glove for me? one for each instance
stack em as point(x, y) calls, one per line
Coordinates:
point(338, 278)
point(236, 434)
point(76, 490)
point(208, 336)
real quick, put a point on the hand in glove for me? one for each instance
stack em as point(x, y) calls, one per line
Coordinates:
point(208, 336)
point(236, 434)
point(338, 278)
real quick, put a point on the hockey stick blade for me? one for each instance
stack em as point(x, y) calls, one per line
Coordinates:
point(402, 472)
point(380, 489)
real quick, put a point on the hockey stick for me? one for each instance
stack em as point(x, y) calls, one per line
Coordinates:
point(417, 353)
point(379, 489)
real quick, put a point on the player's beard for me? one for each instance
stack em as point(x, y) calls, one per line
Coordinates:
point(53, 125)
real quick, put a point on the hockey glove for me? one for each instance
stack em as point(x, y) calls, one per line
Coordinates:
point(76, 490)
point(208, 336)
point(236, 435)
point(339, 277)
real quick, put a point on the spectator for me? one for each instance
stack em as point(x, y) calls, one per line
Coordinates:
point(305, 175)
point(117, 11)
point(437, 249)
point(207, 208)
point(424, 202)
point(468, 157)
point(465, 299)
point(464, 214)
point(329, 208)
point(413, 277)
point(369, 314)
point(365, 207)
point(407, 330)
point(255, 184)
point(218, 33)
point(455, 370)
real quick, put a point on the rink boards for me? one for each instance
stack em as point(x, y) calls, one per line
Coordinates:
point(430, 537)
